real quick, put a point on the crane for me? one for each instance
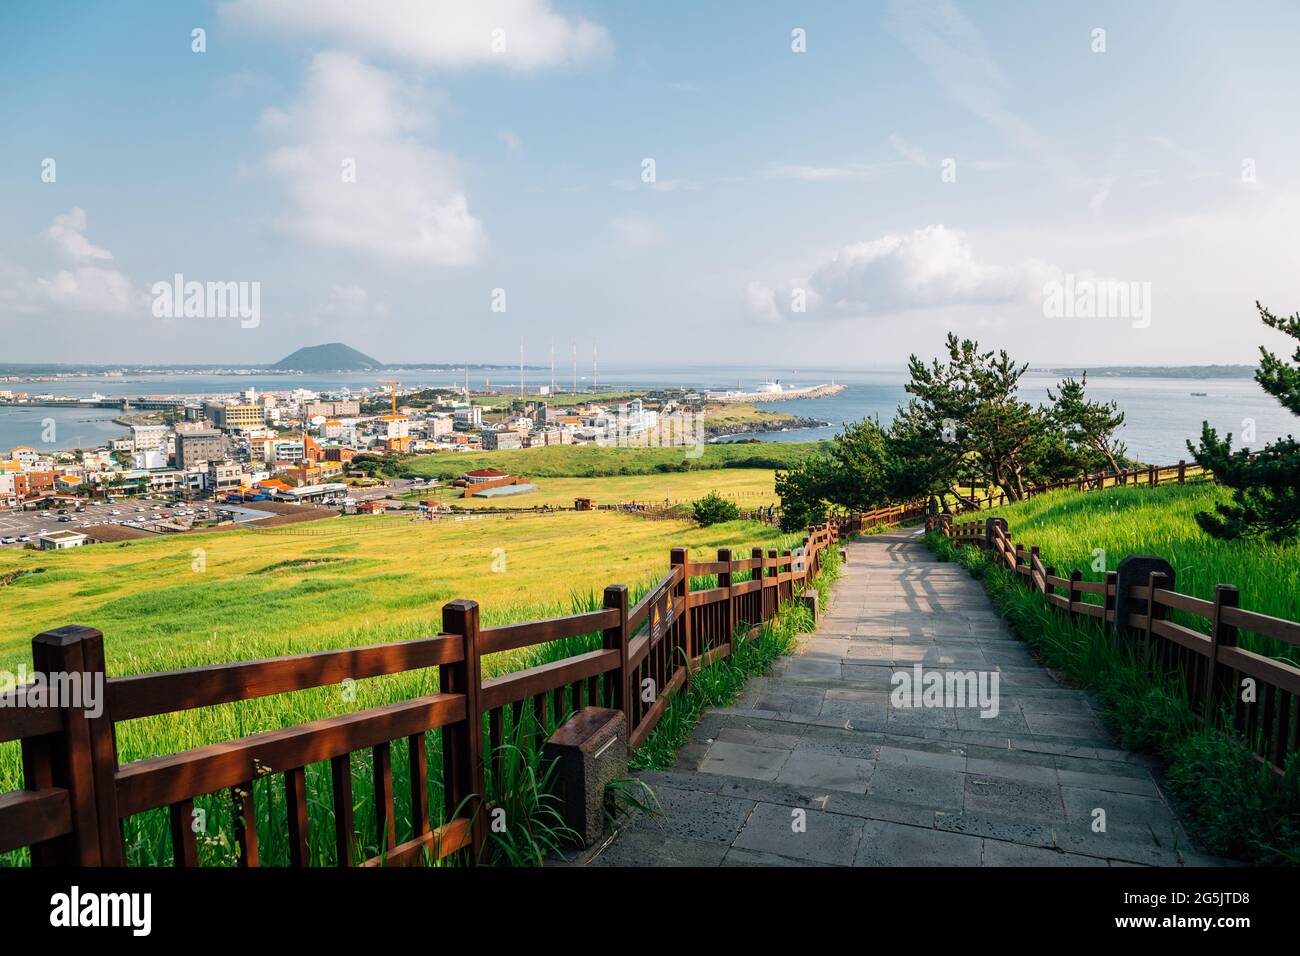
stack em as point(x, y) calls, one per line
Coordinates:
point(393, 390)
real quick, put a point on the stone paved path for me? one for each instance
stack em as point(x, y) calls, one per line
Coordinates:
point(884, 785)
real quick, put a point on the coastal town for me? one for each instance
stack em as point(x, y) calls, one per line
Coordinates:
point(264, 457)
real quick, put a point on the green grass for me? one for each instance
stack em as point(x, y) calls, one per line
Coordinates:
point(594, 461)
point(332, 583)
point(1069, 527)
point(335, 583)
point(1234, 806)
point(721, 682)
point(747, 487)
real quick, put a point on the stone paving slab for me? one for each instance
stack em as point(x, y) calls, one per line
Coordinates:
point(815, 765)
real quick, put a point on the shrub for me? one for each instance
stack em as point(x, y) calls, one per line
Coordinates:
point(714, 509)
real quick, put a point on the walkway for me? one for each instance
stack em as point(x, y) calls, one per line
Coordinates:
point(814, 765)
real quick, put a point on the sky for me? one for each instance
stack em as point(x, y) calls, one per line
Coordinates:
point(832, 183)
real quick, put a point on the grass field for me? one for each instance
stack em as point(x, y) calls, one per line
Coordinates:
point(1235, 806)
point(333, 583)
point(594, 461)
point(747, 487)
point(1069, 527)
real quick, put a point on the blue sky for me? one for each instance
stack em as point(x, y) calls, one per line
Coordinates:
point(1167, 163)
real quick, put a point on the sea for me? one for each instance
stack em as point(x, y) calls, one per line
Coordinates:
point(1161, 414)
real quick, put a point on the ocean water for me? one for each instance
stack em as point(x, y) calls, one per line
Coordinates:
point(1161, 413)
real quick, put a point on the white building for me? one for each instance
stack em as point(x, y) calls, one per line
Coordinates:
point(471, 417)
point(148, 437)
point(150, 459)
point(438, 425)
point(59, 540)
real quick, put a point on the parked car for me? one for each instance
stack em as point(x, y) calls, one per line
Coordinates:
point(24, 538)
point(9, 540)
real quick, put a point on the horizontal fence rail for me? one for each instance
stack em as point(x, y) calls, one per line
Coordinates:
point(1256, 696)
point(1150, 476)
point(474, 736)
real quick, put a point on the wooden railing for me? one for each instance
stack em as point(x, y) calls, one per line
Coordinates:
point(891, 516)
point(1257, 696)
point(76, 795)
point(1149, 475)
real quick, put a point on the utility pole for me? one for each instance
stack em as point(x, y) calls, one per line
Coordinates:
point(521, 368)
point(575, 366)
point(595, 378)
point(552, 364)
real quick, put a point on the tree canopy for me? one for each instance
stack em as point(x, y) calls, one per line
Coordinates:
point(1265, 484)
point(965, 422)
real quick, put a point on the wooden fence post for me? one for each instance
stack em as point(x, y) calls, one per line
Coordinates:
point(66, 759)
point(775, 567)
point(1218, 688)
point(1108, 599)
point(724, 581)
point(683, 590)
point(462, 749)
point(1182, 471)
point(615, 639)
point(1155, 612)
point(1076, 596)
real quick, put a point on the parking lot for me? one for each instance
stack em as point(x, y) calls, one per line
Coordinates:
point(15, 524)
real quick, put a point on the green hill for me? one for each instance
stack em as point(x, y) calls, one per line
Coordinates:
point(334, 357)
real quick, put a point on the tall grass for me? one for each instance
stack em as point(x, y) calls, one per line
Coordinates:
point(594, 461)
point(1074, 530)
point(721, 682)
point(531, 817)
point(1235, 807)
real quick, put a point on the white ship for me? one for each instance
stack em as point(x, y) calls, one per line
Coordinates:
point(769, 388)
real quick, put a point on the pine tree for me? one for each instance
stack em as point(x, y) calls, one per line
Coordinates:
point(1266, 485)
point(1088, 425)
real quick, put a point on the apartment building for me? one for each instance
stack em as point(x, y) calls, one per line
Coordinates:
point(471, 417)
point(199, 447)
point(235, 417)
point(502, 440)
point(224, 476)
point(149, 437)
point(338, 408)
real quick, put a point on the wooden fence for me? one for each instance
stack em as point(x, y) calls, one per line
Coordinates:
point(76, 794)
point(1149, 475)
point(1190, 639)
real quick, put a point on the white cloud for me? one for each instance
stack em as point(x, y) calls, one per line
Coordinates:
point(928, 268)
point(913, 154)
point(84, 286)
point(406, 202)
point(839, 173)
point(637, 234)
point(67, 233)
point(452, 34)
point(513, 142)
